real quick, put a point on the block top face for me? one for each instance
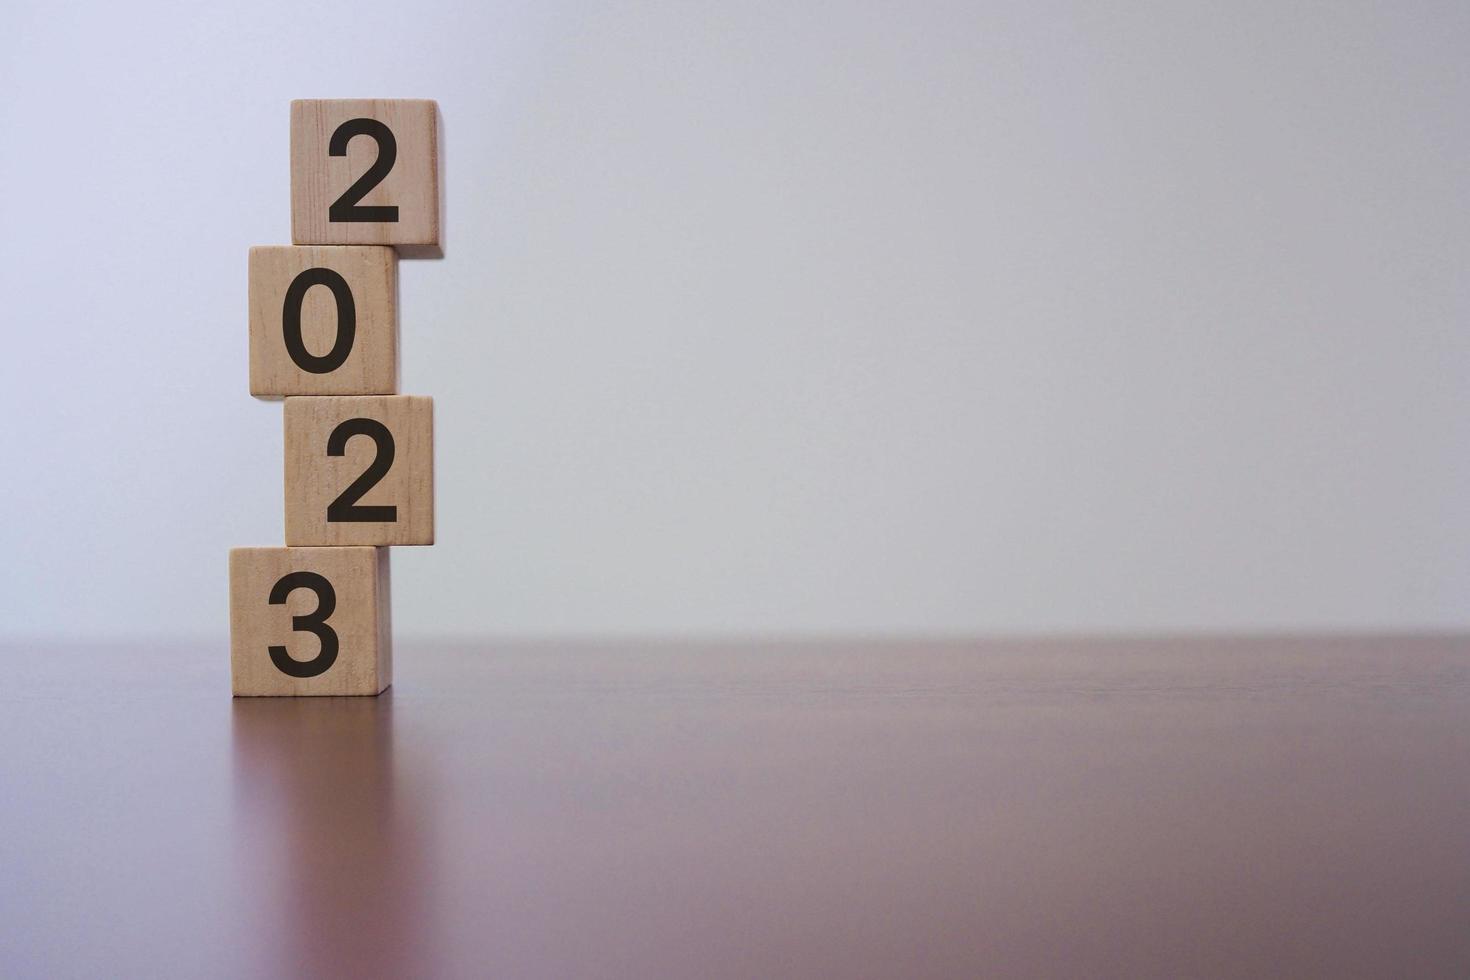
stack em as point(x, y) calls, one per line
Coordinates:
point(365, 172)
point(323, 320)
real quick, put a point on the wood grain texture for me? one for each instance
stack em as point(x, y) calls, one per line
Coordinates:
point(318, 178)
point(371, 275)
point(359, 580)
point(315, 479)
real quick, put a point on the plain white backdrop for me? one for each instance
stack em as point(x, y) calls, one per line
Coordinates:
point(776, 317)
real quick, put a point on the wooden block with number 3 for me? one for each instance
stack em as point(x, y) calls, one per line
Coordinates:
point(309, 621)
point(323, 320)
point(365, 172)
point(359, 470)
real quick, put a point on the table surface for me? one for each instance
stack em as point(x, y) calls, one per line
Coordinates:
point(1170, 808)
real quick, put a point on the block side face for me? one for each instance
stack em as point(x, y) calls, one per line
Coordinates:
point(424, 413)
point(324, 290)
point(318, 179)
point(340, 499)
point(259, 368)
point(329, 596)
point(385, 619)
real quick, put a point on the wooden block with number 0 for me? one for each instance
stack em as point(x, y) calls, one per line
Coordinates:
point(365, 172)
point(323, 320)
point(359, 470)
point(309, 621)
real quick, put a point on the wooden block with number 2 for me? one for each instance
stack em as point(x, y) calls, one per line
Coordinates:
point(365, 172)
point(309, 621)
point(359, 470)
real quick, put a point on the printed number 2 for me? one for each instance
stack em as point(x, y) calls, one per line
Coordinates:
point(346, 208)
point(314, 622)
point(346, 321)
point(346, 507)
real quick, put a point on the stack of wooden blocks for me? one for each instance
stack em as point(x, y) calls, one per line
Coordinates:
point(312, 618)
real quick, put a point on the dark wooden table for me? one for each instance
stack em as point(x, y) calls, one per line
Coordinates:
point(1200, 807)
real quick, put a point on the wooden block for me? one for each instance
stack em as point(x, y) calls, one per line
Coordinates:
point(323, 320)
point(309, 621)
point(365, 172)
point(360, 470)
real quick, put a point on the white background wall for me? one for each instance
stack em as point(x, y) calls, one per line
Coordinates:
point(779, 317)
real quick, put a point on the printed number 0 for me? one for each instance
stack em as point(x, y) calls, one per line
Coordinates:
point(346, 507)
point(346, 208)
point(346, 321)
point(314, 622)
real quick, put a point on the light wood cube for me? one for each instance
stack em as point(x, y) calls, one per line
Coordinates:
point(309, 621)
point(323, 320)
point(365, 172)
point(360, 470)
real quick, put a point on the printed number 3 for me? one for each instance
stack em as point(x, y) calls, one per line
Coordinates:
point(346, 208)
point(313, 622)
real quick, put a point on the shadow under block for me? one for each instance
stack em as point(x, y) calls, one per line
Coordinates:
point(365, 172)
point(323, 320)
point(359, 470)
point(309, 621)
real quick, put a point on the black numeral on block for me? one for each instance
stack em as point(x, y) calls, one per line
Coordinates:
point(346, 507)
point(346, 321)
point(346, 208)
point(314, 622)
